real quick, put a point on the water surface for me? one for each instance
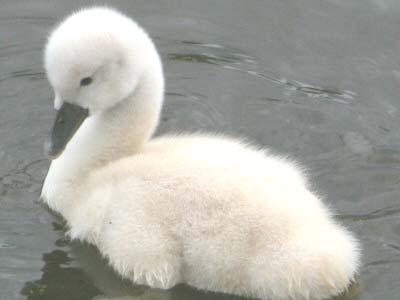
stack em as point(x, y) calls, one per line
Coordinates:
point(317, 80)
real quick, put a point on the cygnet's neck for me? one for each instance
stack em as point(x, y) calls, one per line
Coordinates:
point(123, 129)
point(105, 137)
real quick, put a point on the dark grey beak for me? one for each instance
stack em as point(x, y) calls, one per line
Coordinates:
point(69, 118)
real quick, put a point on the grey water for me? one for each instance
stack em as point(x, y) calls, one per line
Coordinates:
point(316, 80)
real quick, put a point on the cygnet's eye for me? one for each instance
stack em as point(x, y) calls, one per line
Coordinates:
point(86, 81)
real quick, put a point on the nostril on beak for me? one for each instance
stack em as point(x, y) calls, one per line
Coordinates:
point(57, 102)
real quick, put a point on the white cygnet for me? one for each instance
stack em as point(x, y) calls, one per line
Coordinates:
point(206, 210)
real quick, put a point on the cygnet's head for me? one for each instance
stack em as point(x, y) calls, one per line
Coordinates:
point(95, 59)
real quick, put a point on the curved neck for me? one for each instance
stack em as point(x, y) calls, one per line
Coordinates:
point(106, 137)
point(121, 130)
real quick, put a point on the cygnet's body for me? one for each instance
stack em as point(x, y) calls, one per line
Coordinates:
point(204, 210)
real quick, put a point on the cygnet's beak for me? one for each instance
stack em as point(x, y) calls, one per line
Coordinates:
point(69, 118)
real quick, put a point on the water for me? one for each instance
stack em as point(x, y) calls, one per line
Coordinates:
point(318, 80)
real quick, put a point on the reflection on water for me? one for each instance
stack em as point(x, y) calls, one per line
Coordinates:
point(59, 281)
point(78, 272)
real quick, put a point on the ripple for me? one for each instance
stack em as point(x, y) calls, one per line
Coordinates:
point(233, 59)
point(6, 53)
point(199, 58)
point(357, 143)
point(28, 19)
point(8, 49)
point(382, 262)
point(21, 177)
point(213, 116)
point(29, 73)
point(393, 246)
point(6, 246)
point(376, 214)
